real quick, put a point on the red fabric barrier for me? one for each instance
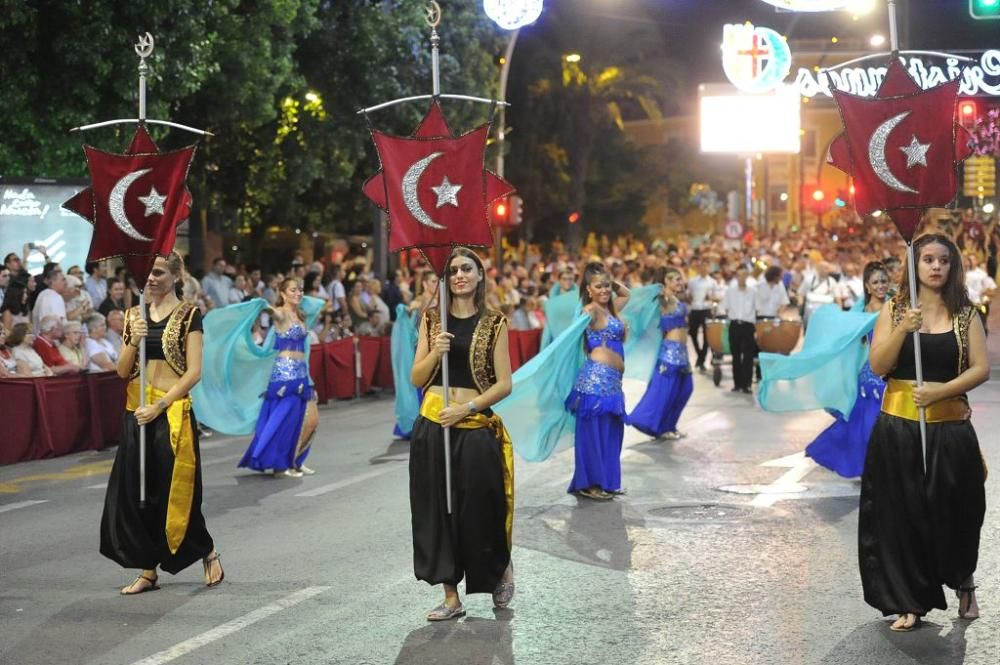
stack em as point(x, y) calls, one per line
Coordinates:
point(383, 377)
point(339, 368)
point(370, 347)
point(524, 345)
point(317, 372)
point(60, 415)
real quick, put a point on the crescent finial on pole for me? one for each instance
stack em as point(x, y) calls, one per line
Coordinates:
point(433, 14)
point(144, 47)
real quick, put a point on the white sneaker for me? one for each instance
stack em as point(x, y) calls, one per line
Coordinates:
point(288, 473)
point(306, 471)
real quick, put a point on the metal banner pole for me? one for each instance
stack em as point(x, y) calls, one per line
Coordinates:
point(144, 48)
point(911, 268)
point(434, 18)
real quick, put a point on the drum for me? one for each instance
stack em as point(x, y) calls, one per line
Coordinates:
point(717, 333)
point(778, 335)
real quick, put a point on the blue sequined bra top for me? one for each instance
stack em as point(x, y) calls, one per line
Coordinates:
point(611, 336)
point(675, 319)
point(293, 339)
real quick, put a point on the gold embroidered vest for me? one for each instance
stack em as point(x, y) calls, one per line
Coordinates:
point(960, 323)
point(484, 341)
point(174, 337)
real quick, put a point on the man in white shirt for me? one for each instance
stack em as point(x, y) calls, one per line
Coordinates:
point(95, 283)
point(700, 291)
point(338, 296)
point(851, 286)
point(771, 295)
point(50, 301)
point(980, 286)
point(819, 290)
point(216, 284)
point(740, 306)
point(116, 328)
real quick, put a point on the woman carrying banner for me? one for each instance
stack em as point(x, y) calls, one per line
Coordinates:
point(597, 398)
point(169, 531)
point(671, 384)
point(919, 530)
point(474, 541)
point(288, 417)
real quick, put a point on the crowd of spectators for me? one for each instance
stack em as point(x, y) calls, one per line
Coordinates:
point(62, 322)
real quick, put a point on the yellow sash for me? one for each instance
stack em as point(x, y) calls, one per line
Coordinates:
point(898, 401)
point(431, 407)
point(185, 465)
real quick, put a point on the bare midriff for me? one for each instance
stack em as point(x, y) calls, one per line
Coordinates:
point(294, 355)
point(676, 335)
point(606, 356)
point(160, 376)
point(456, 395)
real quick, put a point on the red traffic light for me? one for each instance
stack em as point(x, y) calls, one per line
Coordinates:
point(500, 213)
point(501, 209)
point(818, 195)
point(968, 114)
point(574, 217)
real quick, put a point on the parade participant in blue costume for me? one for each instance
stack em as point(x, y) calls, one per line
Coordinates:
point(474, 541)
point(288, 416)
point(169, 532)
point(841, 447)
point(403, 347)
point(919, 528)
point(262, 390)
point(671, 384)
point(597, 399)
point(561, 308)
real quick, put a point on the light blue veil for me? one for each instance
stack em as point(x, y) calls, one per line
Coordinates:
point(235, 371)
point(824, 374)
point(403, 345)
point(560, 312)
point(535, 414)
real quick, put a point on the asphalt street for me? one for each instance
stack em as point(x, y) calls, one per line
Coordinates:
point(729, 548)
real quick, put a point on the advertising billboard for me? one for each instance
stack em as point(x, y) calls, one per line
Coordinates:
point(739, 123)
point(30, 213)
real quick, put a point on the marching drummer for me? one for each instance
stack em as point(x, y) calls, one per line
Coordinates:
point(740, 306)
point(771, 295)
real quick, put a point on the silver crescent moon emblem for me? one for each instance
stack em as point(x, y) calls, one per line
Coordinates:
point(410, 180)
point(116, 204)
point(876, 154)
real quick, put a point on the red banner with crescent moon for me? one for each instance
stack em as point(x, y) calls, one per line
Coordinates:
point(434, 188)
point(902, 147)
point(135, 202)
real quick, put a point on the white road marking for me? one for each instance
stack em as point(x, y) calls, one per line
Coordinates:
point(787, 462)
point(6, 508)
point(347, 482)
point(98, 486)
point(217, 633)
point(789, 482)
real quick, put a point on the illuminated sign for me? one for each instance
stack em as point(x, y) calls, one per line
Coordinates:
point(978, 78)
point(755, 59)
point(30, 212)
point(860, 6)
point(513, 14)
point(745, 124)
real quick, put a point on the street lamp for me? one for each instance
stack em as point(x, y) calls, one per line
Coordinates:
point(877, 40)
point(573, 57)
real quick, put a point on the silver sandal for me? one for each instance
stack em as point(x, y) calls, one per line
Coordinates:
point(444, 613)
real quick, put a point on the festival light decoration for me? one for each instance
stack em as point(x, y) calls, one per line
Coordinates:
point(855, 6)
point(513, 14)
point(755, 59)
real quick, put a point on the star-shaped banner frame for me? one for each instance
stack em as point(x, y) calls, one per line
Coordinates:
point(139, 225)
point(435, 188)
point(902, 147)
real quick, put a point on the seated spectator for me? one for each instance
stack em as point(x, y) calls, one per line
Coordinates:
point(115, 299)
point(14, 308)
point(49, 301)
point(78, 303)
point(46, 345)
point(238, 291)
point(376, 302)
point(71, 346)
point(99, 350)
point(519, 319)
point(116, 328)
point(29, 363)
point(96, 285)
point(8, 365)
point(374, 326)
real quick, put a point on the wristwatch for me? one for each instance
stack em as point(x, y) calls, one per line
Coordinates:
point(472, 406)
point(163, 405)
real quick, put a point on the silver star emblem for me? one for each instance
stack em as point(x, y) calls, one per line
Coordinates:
point(916, 153)
point(447, 193)
point(153, 202)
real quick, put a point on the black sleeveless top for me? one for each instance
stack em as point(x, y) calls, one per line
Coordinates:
point(939, 352)
point(154, 335)
point(459, 371)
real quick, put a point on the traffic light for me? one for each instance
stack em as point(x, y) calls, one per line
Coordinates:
point(574, 217)
point(500, 213)
point(968, 113)
point(980, 176)
point(516, 205)
point(984, 10)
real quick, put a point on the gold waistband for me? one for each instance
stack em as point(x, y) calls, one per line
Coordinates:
point(185, 463)
point(898, 401)
point(430, 409)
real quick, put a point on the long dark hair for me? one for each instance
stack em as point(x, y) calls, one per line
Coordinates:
point(480, 297)
point(953, 292)
point(13, 299)
point(871, 268)
point(590, 271)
